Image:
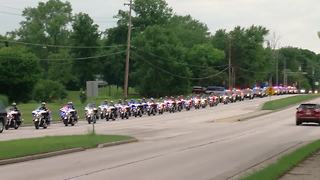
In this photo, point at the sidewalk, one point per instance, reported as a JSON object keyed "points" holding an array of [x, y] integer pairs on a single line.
{"points": [[307, 170]]}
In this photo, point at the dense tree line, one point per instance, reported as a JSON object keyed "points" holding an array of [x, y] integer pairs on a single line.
{"points": [[170, 53]]}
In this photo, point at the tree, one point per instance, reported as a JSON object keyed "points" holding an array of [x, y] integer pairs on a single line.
{"points": [[189, 31], [85, 33], [248, 55], [48, 91], [61, 70], [46, 24], [204, 60], [147, 13], [150, 12], [19, 71], [159, 68]]}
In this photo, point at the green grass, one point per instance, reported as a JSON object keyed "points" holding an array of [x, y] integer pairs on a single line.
{"points": [[32, 146], [284, 164], [285, 102]]}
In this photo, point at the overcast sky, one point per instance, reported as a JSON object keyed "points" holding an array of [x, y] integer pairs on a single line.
{"points": [[295, 21]]}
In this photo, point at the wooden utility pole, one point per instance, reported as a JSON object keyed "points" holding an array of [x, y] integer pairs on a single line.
{"points": [[126, 74], [230, 66]]}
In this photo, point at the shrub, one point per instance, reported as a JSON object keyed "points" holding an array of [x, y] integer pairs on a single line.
{"points": [[4, 101], [48, 90]]}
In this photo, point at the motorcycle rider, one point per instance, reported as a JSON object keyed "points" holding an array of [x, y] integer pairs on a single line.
{"points": [[47, 114], [15, 108], [71, 106], [105, 102]]}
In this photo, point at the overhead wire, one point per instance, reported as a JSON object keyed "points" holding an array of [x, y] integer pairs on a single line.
{"points": [[187, 64], [256, 72], [60, 46], [80, 59], [179, 76]]}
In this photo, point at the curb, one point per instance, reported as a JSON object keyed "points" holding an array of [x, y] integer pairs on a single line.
{"points": [[244, 117], [117, 143], [62, 152], [39, 156]]}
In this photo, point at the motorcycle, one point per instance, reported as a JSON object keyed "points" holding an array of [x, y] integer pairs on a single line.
{"points": [[111, 113], [152, 109], [161, 108], [39, 118], [139, 110], [68, 116], [213, 101], [124, 112], [91, 114], [188, 104], [103, 111], [197, 103], [180, 105], [12, 120], [172, 107], [203, 102]]}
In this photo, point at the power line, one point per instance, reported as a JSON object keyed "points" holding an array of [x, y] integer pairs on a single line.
{"points": [[79, 59], [60, 46], [256, 72], [179, 76], [191, 65]]}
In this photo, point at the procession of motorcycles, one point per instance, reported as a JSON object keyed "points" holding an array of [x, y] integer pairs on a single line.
{"points": [[109, 111]]}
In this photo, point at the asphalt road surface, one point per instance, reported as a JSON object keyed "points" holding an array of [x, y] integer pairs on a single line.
{"points": [[188, 145]]}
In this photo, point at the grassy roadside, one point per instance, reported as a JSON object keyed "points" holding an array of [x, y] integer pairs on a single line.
{"points": [[285, 102], [25, 147], [285, 163]]}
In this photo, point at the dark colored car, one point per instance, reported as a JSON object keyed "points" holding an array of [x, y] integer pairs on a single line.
{"points": [[198, 90], [309, 113], [3, 117]]}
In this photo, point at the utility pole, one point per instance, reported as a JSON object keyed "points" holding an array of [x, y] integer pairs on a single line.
{"points": [[230, 66], [126, 74], [277, 70], [285, 73]]}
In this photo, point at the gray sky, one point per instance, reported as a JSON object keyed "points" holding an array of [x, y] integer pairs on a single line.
{"points": [[295, 21]]}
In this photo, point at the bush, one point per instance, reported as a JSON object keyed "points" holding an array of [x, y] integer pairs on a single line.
{"points": [[4, 101], [19, 71], [48, 90]]}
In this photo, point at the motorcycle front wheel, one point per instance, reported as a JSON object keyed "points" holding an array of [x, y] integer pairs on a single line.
{"points": [[16, 125], [36, 125]]}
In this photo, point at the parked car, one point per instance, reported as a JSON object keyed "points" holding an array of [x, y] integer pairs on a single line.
{"points": [[3, 117], [198, 90], [309, 113]]}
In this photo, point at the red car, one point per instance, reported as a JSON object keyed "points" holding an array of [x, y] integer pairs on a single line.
{"points": [[309, 113]]}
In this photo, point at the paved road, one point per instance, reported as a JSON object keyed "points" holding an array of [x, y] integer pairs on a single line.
{"points": [[177, 146], [139, 127]]}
